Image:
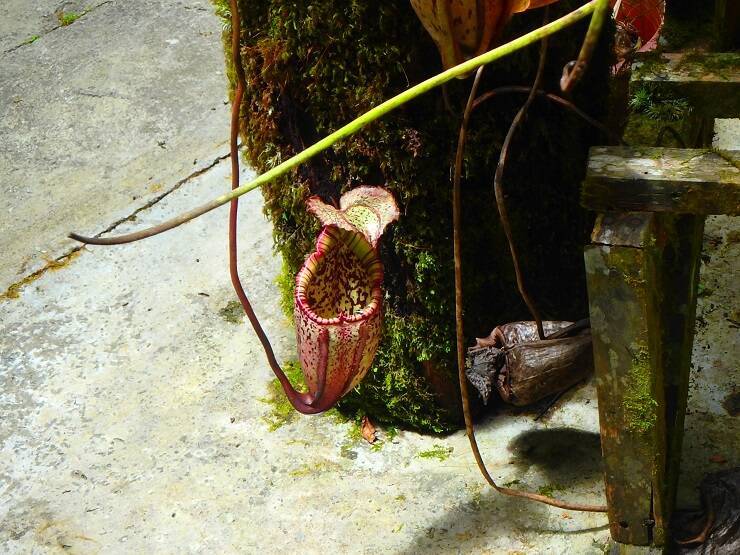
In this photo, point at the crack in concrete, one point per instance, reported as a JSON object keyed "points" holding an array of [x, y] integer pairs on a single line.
{"points": [[41, 35], [13, 291], [94, 94]]}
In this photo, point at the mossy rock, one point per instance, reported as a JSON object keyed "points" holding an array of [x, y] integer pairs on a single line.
{"points": [[315, 65]]}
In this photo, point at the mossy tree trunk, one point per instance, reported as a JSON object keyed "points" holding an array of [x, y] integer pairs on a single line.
{"points": [[315, 65]]}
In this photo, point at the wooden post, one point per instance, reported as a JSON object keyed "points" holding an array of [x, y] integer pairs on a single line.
{"points": [[642, 271], [624, 299]]}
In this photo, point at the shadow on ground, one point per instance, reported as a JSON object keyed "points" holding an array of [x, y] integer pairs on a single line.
{"points": [[565, 456]]}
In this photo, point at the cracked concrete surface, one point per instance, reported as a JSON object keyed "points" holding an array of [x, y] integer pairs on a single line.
{"points": [[136, 418], [101, 116]]}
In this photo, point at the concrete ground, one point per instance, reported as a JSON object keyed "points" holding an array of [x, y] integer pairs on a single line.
{"points": [[137, 413]]}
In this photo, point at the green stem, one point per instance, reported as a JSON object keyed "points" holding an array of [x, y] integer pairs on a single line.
{"points": [[356, 125], [573, 74]]}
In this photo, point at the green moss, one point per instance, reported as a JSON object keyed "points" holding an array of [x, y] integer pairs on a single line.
{"points": [[285, 282], [719, 64], [313, 66], [549, 489], [439, 452], [232, 312], [696, 30], [282, 412], [315, 468], [652, 111], [639, 402], [30, 40], [649, 63], [68, 18], [659, 106]]}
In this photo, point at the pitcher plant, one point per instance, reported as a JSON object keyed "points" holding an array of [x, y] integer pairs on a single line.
{"points": [[338, 297], [463, 29]]}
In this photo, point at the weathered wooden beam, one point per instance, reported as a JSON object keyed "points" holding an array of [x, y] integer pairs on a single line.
{"points": [[642, 271], [683, 181], [709, 81], [623, 302]]}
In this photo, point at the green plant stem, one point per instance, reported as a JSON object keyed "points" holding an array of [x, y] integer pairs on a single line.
{"points": [[356, 125], [574, 71]]}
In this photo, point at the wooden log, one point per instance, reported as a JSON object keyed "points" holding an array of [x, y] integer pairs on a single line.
{"points": [[624, 311], [662, 180], [710, 81]]}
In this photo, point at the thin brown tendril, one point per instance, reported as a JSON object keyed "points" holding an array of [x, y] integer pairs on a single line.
{"points": [[499, 191], [459, 325], [556, 100], [301, 402]]}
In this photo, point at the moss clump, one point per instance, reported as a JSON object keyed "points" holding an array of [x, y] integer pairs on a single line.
{"points": [[549, 489], [439, 452], [315, 65], [652, 112], [282, 412], [30, 40], [639, 402], [233, 312], [68, 18], [722, 64]]}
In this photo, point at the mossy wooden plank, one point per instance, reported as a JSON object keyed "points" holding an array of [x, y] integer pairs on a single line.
{"points": [[710, 81], [624, 318], [690, 181], [642, 274]]}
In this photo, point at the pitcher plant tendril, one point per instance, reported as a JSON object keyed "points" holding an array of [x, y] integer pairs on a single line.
{"points": [[355, 125], [301, 401], [459, 316]]}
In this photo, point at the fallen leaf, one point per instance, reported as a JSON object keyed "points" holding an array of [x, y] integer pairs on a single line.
{"points": [[368, 430], [719, 459]]}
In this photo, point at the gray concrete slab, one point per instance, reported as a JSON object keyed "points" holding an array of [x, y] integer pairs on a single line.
{"points": [[713, 437], [100, 117], [23, 22]]}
